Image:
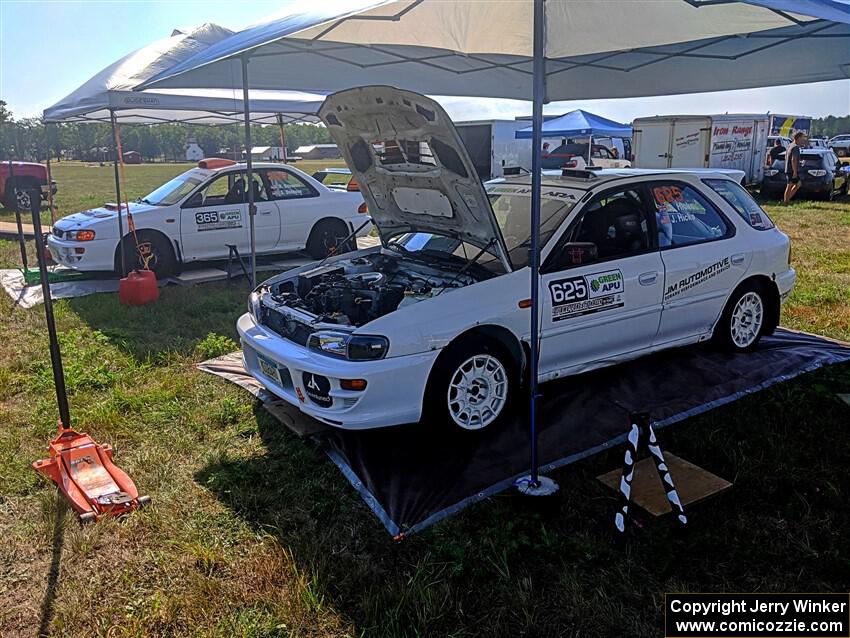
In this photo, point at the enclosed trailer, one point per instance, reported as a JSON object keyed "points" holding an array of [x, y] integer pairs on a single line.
{"points": [[493, 146], [703, 141]]}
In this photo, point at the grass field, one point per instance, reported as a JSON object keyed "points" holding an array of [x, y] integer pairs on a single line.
{"points": [[254, 533]]}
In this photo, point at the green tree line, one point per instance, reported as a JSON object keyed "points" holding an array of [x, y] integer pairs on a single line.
{"points": [[30, 139]]}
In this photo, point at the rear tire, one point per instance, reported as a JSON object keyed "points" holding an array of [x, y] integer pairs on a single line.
{"points": [[326, 236], [744, 318], [162, 261], [472, 387]]}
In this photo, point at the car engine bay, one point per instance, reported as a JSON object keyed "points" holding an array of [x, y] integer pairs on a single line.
{"points": [[355, 291]]}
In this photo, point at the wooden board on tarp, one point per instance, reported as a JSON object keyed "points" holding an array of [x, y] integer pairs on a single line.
{"points": [[693, 483]]}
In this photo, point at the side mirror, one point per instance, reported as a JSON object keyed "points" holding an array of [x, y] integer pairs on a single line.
{"points": [[575, 253], [195, 201]]}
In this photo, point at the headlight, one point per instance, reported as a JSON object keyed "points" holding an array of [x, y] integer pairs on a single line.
{"points": [[349, 346], [255, 306], [771, 172], [817, 172], [81, 235]]}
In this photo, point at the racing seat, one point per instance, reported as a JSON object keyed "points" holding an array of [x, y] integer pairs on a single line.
{"points": [[617, 230], [236, 194]]}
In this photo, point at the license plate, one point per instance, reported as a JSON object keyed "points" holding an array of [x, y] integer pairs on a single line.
{"points": [[270, 369]]}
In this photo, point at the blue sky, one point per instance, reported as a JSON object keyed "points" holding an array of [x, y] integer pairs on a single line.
{"points": [[49, 47]]}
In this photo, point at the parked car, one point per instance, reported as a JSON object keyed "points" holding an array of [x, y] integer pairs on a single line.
{"points": [[841, 145], [23, 176], [817, 142], [821, 173], [435, 321], [337, 179], [574, 155], [786, 141], [197, 214]]}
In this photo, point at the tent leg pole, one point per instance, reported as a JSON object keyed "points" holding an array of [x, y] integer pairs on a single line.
{"points": [[282, 137], [121, 257], [249, 181], [55, 353], [535, 484]]}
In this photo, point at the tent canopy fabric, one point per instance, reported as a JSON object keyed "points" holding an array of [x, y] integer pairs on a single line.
{"points": [[111, 89], [601, 49], [579, 123]]}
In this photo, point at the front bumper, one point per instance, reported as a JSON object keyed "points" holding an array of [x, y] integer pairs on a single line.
{"points": [[393, 395], [96, 255]]}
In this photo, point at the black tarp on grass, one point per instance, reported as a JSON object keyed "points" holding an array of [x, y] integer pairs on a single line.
{"points": [[415, 475]]}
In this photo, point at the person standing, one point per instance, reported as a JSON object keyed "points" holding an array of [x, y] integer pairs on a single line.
{"points": [[792, 167], [775, 151]]}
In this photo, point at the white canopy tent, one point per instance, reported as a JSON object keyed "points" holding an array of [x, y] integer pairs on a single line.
{"points": [[108, 97], [544, 50]]}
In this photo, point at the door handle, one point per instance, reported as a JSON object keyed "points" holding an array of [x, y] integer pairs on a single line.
{"points": [[265, 212], [648, 278], [738, 259]]}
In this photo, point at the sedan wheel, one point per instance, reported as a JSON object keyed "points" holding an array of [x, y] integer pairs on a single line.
{"points": [[747, 320], [478, 392]]}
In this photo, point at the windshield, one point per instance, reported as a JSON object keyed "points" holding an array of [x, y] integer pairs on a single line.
{"points": [[512, 208], [176, 189]]}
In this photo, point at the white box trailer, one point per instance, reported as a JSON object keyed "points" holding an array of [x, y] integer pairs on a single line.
{"points": [[703, 141], [493, 147]]}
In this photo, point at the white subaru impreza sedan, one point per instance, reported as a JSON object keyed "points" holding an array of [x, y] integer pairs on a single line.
{"points": [[434, 322], [196, 215]]}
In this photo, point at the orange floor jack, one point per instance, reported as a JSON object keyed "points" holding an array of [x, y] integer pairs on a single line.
{"points": [[82, 468]]}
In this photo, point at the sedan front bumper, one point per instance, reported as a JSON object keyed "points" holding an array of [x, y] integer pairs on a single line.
{"points": [[393, 395], [94, 255]]}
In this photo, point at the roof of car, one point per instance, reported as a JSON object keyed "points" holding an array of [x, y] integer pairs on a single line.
{"points": [[594, 178]]}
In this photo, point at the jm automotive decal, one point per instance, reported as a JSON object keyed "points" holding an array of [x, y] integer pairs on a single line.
{"points": [[215, 220], [584, 295], [697, 278]]}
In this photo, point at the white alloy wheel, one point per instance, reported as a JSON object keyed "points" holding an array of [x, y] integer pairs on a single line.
{"points": [[478, 392], [746, 321]]}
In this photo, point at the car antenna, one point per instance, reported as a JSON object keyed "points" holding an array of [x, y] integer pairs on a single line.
{"points": [[467, 265]]}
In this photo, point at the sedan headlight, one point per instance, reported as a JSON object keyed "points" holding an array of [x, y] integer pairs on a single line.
{"points": [[771, 172], [255, 306], [80, 235], [819, 172], [349, 346]]}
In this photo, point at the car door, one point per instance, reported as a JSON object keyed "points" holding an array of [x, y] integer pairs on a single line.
{"points": [[299, 204], [213, 217], [603, 307], [267, 220], [703, 259]]}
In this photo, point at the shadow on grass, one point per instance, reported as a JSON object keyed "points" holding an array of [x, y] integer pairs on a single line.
{"points": [[499, 570], [175, 323], [47, 603]]}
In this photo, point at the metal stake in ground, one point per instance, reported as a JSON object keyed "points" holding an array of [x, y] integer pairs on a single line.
{"points": [[80, 467]]}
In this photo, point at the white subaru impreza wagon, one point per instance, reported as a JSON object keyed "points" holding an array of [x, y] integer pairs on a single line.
{"points": [[435, 321]]}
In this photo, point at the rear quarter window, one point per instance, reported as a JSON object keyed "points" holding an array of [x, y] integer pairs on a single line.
{"points": [[742, 202]]}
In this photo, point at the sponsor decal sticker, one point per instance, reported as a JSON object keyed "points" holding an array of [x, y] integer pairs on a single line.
{"points": [[217, 220], [526, 190], [587, 294], [697, 278], [318, 389]]}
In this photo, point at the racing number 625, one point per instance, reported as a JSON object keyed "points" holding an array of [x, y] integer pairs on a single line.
{"points": [[568, 290]]}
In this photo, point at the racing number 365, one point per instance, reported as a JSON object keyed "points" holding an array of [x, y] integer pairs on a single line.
{"points": [[206, 218], [567, 290]]}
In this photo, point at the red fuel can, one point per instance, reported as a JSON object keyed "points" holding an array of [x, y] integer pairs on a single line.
{"points": [[138, 288]]}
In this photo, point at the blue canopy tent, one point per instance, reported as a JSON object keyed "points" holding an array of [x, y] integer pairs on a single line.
{"points": [[541, 50], [578, 123]]}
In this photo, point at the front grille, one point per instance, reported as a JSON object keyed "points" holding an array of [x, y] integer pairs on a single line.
{"points": [[287, 328]]}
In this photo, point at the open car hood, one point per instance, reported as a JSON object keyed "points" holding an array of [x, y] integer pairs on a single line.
{"points": [[411, 165]]}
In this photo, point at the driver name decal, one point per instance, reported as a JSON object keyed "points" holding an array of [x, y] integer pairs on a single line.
{"points": [[697, 278], [214, 220], [586, 294]]}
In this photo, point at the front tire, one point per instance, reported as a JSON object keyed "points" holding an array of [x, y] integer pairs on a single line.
{"points": [[472, 387], [153, 247], [326, 237], [743, 321]]}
